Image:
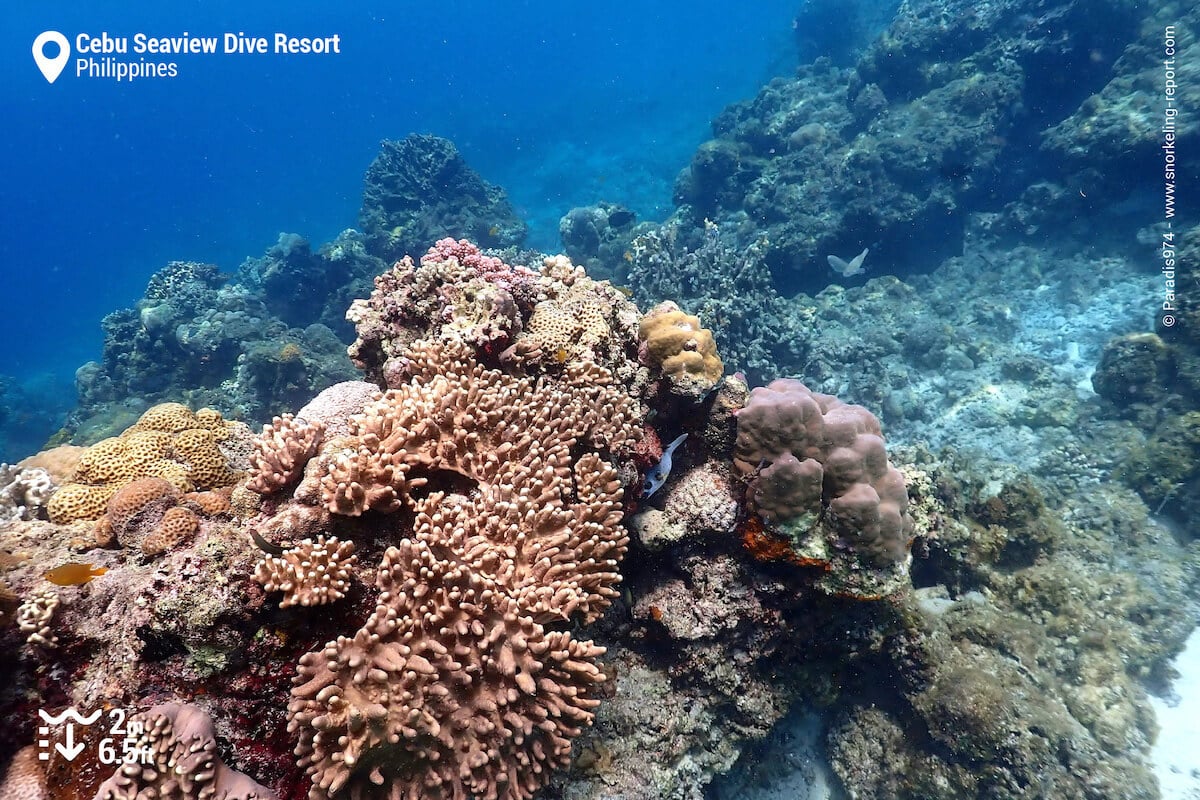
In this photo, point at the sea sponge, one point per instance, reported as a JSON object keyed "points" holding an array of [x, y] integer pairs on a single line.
{"points": [[674, 344]]}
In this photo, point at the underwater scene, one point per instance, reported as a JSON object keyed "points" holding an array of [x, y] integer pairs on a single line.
{"points": [[792, 400]]}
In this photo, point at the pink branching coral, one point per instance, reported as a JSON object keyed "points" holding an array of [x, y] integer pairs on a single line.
{"points": [[281, 452], [455, 292], [454, 686], [311, 573]]}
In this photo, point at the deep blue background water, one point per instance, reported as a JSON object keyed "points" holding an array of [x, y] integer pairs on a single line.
{"points": [[561, 103]]}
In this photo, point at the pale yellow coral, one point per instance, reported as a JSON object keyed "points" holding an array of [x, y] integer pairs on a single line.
{"points": [[677, 346], [168, 442]]}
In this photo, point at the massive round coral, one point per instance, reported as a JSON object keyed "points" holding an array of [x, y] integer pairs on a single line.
{"points": [[810, 456]]}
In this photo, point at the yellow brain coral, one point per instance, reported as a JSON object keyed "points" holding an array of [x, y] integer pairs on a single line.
{"points": [[675, 344], [169, 441]]}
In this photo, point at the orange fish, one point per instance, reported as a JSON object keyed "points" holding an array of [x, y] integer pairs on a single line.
{"points": [[73, 574]]}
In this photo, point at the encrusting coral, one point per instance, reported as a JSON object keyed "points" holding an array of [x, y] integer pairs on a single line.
{"points": [[24, 779], [678, 348]]}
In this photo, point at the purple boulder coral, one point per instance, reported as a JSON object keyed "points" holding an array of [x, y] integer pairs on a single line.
{"points": [[812, 457]]}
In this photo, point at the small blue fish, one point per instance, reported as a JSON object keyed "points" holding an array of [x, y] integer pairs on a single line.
{"points": [[658, 476]]}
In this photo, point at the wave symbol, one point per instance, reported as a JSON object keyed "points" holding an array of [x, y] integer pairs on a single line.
{"points": [[72, 714]]}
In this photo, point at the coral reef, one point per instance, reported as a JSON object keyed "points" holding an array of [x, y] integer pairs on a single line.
{"points": [[599, 238], [168, 443], [420, 189], [545, 318]]}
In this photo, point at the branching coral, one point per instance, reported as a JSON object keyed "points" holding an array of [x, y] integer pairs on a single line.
{"points": [[449, 689], [24, 491], [34, 618], [281, 452], [455, 685], [310, 574]]}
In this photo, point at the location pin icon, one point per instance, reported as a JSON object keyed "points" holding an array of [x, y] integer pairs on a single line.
{"points": [[51, 67]]}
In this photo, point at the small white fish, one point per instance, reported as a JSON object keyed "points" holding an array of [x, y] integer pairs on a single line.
{"points": [[850, 268], [658, 476]]}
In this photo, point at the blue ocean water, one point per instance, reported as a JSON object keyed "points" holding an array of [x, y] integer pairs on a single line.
{"points": [[561, 106]]}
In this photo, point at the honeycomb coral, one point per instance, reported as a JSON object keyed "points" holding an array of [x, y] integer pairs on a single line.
{"points": [[570, 326], [184, 763], [75, 501], [198, 449], [168, 442], [178, 525], [312, 573], [683, 352]]}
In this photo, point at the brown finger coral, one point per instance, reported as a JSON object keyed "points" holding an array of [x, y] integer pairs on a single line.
{"points": [[281, 452], [312, 573], [455, 686], [182, 764]]}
